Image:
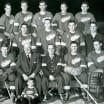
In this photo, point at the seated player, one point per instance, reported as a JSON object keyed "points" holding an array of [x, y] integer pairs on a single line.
{"points": [[7, 66], [96, 67], [75, 65], [51, 68], [30, 91]]}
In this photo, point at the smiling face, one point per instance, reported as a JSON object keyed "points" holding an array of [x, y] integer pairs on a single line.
{"points": [[73, 47], [24, 29], [71, 26], [42, 6], [51, 49], [93, 27], [47, 23], [97, 45], [4, 50]]}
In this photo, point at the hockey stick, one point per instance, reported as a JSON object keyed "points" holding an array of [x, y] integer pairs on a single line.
{"points": [[9, 93], [89, 94]]}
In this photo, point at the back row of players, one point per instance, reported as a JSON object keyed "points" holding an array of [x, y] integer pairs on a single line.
{"points": [[64, 32]]}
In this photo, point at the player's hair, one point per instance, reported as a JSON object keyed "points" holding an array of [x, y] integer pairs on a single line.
{"points": [[4, 44], [8, 3], [24, 1], [64, 3], [93, 22], [74, 42], [24, 24], [42, 1], [85, 2], [51, 45], [47, 19], [72, 21], [97, 40]]}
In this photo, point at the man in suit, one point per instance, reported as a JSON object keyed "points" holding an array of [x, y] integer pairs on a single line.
{"points": [[51, 67], [28, 66]]}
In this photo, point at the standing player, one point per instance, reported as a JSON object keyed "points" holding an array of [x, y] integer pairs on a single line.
{"points": [[38, 19], [48, 36], [7, 21], [84, 18], [63, 17], [23, 16]]}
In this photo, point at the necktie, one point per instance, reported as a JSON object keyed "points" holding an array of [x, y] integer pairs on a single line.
{"points": [[28, 58]]}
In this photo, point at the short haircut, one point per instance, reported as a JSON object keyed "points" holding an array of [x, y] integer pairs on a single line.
{"points": [[51, 45], [42, 1], [24, 1], [72, 21], [47, 19], [63, 3], [97, 40], [85, 2], [74, 42], [8, 3], [4, 44], [93, 22], [24, 24]]}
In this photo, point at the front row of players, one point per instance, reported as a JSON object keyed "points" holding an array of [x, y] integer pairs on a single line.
{"points": [[24, 72]]}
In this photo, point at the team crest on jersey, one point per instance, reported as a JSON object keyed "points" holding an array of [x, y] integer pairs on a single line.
{"points": [[27, 18], [5, 63], [50, 37], [11, 21], [75, 37], [100, 59], [76, 60]]}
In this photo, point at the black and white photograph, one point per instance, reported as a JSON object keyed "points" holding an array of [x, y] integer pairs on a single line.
{"points": [[51, 51]]}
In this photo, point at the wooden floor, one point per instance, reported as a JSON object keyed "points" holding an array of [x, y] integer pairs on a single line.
{"points": [[56, 100]]}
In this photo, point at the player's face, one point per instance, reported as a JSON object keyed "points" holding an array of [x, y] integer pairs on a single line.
{"points": [[93, 28], [4, 50], [72, 26], [27, 49], [97, 45], [51, 49], [42, 6], [84, 7], [47, 24], [73, 48], [63, 7], [8, 9], [24, 29], [24, 6]]}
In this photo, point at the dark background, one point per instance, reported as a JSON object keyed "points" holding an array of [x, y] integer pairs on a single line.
{"points": [[96, 6]]}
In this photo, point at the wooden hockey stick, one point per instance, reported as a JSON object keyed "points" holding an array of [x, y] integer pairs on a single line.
{"points": [[9, 93], [89, 94]]}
